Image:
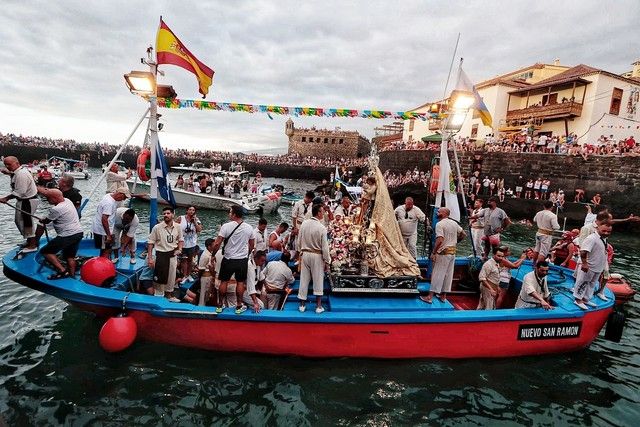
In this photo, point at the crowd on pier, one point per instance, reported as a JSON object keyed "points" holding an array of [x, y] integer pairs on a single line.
{"points": [[524, 142], [108, 150]]}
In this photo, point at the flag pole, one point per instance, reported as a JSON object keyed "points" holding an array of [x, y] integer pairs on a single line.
{"points": [[104, 174], [153, 147]]}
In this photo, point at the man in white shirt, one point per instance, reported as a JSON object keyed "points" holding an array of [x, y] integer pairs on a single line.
{"points": [[315, 258], [124, 232], [477, 226], [238, 240], [535, 292], [489, 281], [116, 179], [593, 254], [301, 211], [408, 216], [191, 227], [547, 223], [167, 239], [64, 218], [260, 235], [278, 277], [105, 219], [206, 271], [255, 276], [344, 209], [23, 189], [448, 233]]}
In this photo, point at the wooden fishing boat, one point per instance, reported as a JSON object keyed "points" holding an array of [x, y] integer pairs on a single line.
{"points": [[373, 319]]}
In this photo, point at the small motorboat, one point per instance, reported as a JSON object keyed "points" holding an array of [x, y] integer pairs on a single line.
{"points": [[258, 203], [620, 287]]}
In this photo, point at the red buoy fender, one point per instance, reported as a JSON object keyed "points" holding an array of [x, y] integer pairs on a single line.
{"points": [[143, 162], [98, 271], [118, 333]]}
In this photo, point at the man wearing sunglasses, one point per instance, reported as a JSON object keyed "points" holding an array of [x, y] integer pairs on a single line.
{"points": [[408, 216]]}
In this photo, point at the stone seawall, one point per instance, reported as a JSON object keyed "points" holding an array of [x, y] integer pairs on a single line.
{"points": [[96, 159], [598, 174]]}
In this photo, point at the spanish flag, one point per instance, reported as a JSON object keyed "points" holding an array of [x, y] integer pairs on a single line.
{"points": [[170, 50]]}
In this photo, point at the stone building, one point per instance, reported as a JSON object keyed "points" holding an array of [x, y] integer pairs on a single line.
{"points": [[325, 142]]}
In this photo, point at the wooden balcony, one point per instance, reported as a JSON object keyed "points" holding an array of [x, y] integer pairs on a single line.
{"points": [[547, 112]]}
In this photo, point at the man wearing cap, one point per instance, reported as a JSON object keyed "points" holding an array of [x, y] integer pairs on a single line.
{"points": [[64, 218], [408, 216], [115, 179], [105, 219], [547, 223], [23, 189]]}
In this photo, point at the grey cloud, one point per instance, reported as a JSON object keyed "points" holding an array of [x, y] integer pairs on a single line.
{"points": [[329, 54]]}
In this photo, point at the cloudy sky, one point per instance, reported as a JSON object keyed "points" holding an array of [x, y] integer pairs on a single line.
{"points": [[62, 62]]}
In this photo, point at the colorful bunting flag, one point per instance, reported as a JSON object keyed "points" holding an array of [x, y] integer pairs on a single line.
{"points": [[175, 103]]}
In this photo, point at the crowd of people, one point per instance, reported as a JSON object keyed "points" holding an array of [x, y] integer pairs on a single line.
{"points": [[243, 266], [526, 142], [539, 188], [414, 176], [108, 150]]}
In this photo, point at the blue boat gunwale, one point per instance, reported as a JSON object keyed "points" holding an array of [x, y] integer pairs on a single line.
{"points": [[76, 291]]}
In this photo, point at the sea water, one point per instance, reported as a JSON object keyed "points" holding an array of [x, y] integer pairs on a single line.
{"points": [[53, 371]]}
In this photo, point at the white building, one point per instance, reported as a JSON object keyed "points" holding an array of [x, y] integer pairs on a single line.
{"points": [[555, 99]]}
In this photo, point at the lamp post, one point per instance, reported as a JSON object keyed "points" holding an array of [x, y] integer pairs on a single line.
{"points": [[460, 102], [144, 84]]}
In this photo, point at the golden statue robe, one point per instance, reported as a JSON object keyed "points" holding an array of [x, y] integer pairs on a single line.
{"points": [[393, 258]]}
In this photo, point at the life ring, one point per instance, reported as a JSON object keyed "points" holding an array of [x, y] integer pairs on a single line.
{"points": [[143, 165]]}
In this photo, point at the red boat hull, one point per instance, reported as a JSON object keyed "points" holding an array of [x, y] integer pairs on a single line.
{"points": [[393, 341]]}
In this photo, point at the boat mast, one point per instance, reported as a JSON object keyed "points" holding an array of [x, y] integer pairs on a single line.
{"points": [[153, 142]]}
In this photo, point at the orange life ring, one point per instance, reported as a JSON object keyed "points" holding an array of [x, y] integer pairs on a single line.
{"points": [[143, 164], [435, 177]]}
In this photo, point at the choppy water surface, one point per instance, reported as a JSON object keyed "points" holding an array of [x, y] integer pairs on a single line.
{"points": [[52, 371]]}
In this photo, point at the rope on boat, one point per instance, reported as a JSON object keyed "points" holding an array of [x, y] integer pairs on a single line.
{"points": [[124, 302]]}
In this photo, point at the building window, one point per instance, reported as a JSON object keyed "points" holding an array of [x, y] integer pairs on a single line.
{"points": [[341, 141], [411, 124], [326, 140], [317, 139], [333, 140], [474, 131], [616, 100], [551, 99], [304, 139]]}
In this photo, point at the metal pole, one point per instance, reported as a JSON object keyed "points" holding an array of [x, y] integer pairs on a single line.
{"points": [[153, 142], [464, 198], [95, 188]]}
